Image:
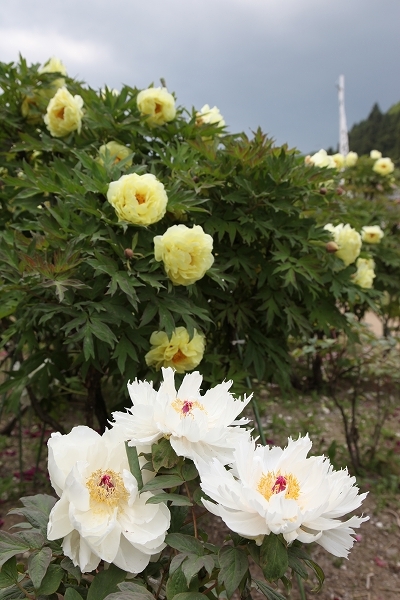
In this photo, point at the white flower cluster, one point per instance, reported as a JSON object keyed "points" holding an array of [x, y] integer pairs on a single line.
{"points": [[256, 490]]}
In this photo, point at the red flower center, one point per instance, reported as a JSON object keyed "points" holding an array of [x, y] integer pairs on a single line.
{"points": [[106, 481], [187, 407], [279, 485]]}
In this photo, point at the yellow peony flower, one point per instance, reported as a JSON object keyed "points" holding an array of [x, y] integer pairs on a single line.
{"points": [[338, 160], [53, 65], [64, 113], [348, 240], [372, 234], [365, 274], [375, 154], [116, 151], [179, 352], [351, 159], [383, 166], [209, 115], [186, 253], [138, 199], [321, 159], [158, 104]]}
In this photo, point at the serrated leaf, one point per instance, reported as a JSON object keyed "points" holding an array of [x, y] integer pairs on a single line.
{"points": [[37, 565], [233, 566], [273, 557], [185, 543]]}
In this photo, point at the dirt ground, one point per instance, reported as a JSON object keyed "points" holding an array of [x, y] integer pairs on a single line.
{"points": [[373, 569]]}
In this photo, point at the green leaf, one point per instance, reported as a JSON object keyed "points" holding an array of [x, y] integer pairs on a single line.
{"points": [[163, 481], [17, 543], [176, 584], [295, 561], [176, 499], [37, 565], [134, 465], [189, 471], [36, 510], [73, 570], [9, 573], [184, 543], [192, 565], [139, 591], [268, 591], [51, 580], [273, 557], [105, 583], [190, 596], [72, 594], [234, 565], [163, 455]]}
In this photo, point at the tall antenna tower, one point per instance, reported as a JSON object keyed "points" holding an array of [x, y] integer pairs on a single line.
{"points": [[343, 135]]}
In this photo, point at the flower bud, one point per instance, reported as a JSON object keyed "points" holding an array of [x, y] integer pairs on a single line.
{"points": [[332, 247], [323, 191], [128, 253], [339, 191]]}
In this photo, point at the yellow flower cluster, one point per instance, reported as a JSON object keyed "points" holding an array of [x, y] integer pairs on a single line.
{"points": [[180, 352]]}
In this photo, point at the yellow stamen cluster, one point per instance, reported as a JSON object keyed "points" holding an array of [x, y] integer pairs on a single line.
{"points": [[272, 483], [106, 487]]}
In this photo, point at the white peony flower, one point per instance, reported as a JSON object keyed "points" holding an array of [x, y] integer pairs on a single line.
{"points": [[198, 427], [100, 514], [271, 490]]}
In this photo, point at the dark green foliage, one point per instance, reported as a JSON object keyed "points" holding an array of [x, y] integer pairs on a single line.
{"points": [[380, 131]]}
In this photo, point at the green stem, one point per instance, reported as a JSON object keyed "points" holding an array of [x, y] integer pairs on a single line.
{"points": [[301, 587], [253, 400]]}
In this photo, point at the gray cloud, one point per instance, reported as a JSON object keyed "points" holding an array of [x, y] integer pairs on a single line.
{"points": [[262, 62]]}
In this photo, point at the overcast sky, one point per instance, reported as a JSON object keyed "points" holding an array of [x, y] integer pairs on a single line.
{"points": [[268, 63]]}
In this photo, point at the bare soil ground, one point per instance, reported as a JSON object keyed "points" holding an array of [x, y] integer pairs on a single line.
{"points": [[373, 569]]}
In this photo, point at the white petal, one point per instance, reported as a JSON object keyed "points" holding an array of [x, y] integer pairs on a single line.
{"points": [[80, 552], [129, 558], [59, 523]]}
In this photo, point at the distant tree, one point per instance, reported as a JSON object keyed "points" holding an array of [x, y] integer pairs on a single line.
{"points": [[380, 131]]}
